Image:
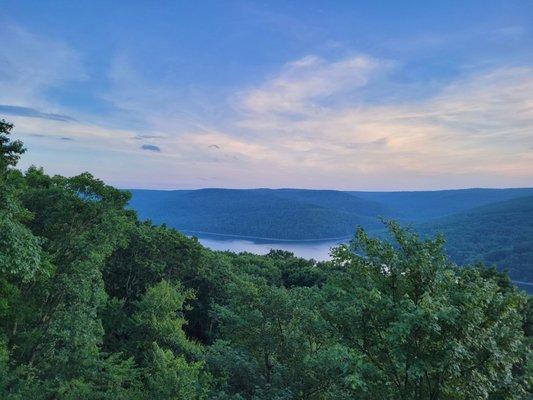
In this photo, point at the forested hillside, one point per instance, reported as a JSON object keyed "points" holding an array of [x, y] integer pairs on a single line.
{"points": [[304, 214], [280, 214], [96, 304], [424, 205], [299, 214], [499, 234]]}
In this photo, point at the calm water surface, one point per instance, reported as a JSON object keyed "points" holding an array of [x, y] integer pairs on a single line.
{"points": [[318, 250]]}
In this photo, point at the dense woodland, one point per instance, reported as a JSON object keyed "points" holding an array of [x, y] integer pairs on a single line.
{"points": [[96, 304], [499, 233], [266, 213]]}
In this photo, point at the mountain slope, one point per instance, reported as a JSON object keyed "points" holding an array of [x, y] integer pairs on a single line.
{"points": [[500, 233], [334, 199], [420, 206], [280, 214]]}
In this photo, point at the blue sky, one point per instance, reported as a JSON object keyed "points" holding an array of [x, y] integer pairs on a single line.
{"points": [[377, 95]]}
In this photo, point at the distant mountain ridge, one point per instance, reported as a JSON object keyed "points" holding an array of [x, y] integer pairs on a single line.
{"points": [[423, 205], [268, 213], [299, 214]]}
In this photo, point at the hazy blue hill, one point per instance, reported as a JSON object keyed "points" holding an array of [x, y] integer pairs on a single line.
{"points": [[280, 214], [336, 200], [420, 206], [499, 233]]}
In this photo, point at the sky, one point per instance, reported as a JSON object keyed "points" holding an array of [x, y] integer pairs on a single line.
{"points": [[360, 95]]}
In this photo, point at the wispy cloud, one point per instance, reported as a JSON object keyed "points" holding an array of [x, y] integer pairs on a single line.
{"points": [[476, 127], [48, 137], [151, 147], [302, 85], [30, 64], [143, 137], [162, 107], [32, 113]]}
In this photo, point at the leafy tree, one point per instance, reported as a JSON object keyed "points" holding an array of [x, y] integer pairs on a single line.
{"points": [[159, 319], [425, 328], [171, 377], [277, 345], [10, 150]]}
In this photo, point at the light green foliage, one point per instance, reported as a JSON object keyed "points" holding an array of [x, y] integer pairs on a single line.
{"points": [[81, 221], [171, 377], [20, 250], [426, 329], [159, 318]]}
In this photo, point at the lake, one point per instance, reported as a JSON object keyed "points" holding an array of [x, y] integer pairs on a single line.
{"points": [[318, 250]]}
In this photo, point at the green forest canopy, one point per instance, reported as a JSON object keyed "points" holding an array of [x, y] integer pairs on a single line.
{"points": [[96, 304]]}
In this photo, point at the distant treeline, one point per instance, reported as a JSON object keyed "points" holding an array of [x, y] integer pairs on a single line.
{"points": [[98, 305]]}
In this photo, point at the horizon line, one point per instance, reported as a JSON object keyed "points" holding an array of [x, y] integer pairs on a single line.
{"points": [[332, 190]]}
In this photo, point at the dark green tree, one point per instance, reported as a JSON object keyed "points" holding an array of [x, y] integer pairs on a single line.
{"points": [[276, 344], [10, 150]]}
